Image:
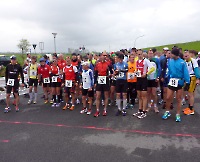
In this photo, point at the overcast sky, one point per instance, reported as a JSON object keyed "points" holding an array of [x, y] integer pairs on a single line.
{"points": [[98, 24]]}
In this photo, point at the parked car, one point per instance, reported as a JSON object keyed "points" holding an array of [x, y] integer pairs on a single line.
{"points": [[4, 60]]}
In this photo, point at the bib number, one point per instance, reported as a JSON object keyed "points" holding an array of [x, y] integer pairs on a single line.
{"points": [[33, 73], [121, 75], [138, 74], [54, 79], [131, 76], [46, 80], [173, 82], [68, 83], [85, 79], [11, 82], [102, 80]]}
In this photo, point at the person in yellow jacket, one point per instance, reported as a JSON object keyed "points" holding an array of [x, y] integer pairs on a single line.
{"points": [[131, 81], [33, 79]]}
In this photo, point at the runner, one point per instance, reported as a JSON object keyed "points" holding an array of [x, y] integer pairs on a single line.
{"points": [[101, 81], [121, 69], [193, 70], [132, 80], [177, 73], [142, 64], [87, 87], [44, 77], [33, 79], [153, 79], [70, 80], [12, 83], [55, 74]]}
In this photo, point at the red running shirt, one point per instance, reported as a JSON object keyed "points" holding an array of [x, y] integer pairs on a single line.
{"points": [[70, 72], [55, 70], [61, 64], [102, 68], [44, 71]]}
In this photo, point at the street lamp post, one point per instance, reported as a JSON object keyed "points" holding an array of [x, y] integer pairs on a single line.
{"points": [[54, 35], [137, 38]]}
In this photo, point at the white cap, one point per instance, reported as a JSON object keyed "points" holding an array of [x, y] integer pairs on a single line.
{"points": [[166, 48], [198, 53], [86, 63]]}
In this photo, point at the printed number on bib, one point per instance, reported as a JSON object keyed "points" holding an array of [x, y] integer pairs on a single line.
{"points": [[173, 82], [131, 76], [138, 73], [121, 75], [46, 80], [54, 79], [102, 80], [11, 82], [85, 79], [68, 83], [33, 73]]}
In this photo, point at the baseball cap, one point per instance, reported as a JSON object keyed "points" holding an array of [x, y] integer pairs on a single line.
{"points": [[165, 49], [199, 53], [41, 59], [13, 57]]}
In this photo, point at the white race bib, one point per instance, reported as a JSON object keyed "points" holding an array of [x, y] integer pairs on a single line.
{"points": [[101, 79], [173, 82], [85, 79], [33, 73], [68, 83], [11, 82], [138, 74], [54, 79], [131, 76], [121, 75], [46, 80]]}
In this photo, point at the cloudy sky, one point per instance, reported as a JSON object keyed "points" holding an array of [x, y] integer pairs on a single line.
{"points": [[98, 24]]}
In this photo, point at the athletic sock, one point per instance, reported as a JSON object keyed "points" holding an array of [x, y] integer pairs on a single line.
{"points": [[31, 96], [119, 104], [124, 103], [35, 96], [54, 98], [191, 107], [105, 109], [58, 98]]}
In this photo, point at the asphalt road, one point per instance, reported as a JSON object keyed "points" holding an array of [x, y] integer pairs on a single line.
{"points": [[42, 133]]}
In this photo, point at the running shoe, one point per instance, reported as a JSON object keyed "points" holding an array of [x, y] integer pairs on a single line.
{"points": [[189, 112], [97, 114], [14, 103], [84, 110], [78, 101], [72, 108], [7, 109], [102, 102], [148, 109], [34, 102], [53, 105], [51, 101], [131, 106], [156, 110], [166, 115], [124, 112], [16, 109], [89, 112], [30, 102], [164, 106], [186, 109], [58, 105], [172, 107], [137, 113], [143, 115], [186, 97], [183, 102], [127, 105], [112, 103], [160, 101], [66, 107], [46, 102], [118, 113], [178, 118], [104, 112]]}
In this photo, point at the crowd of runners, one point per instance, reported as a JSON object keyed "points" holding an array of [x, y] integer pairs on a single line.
{"points": [[119, 79]]}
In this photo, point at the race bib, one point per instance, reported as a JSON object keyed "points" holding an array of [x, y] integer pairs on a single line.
{"points": [[33, 73], [54, 79], [131, 76], [11, 82], [138, 74], [121, 75], [173, 82], [85, 79], [68, 83], [46, 80], [102, 80]]}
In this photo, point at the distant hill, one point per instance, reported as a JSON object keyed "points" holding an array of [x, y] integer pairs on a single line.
{"points": [[188, 45]]}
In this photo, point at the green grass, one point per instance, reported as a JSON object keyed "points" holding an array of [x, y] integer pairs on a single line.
{"points": [[188, 45]]}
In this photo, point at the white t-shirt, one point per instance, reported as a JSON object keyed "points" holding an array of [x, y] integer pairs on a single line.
{"points": [[190, 67]]}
